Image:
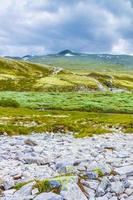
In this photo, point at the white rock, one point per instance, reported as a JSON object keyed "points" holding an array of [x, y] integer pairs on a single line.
{"points": [[48, 196], [73, 192], [113, 198], [128, 170], [129, 191], [101, 190], [30, 142], [102, 198], [24, 191], [117, 187], [130, 197], [36, 160], [8, 183], [35, 191]]}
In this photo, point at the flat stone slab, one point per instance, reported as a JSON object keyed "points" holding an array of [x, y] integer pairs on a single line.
{"points": [[126, 170]]}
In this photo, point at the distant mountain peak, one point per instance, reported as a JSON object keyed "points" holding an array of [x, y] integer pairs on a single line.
{"points": [[27, 57], [67, 52]]}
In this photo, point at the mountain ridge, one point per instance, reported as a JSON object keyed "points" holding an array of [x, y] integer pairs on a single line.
{"points": [[69, 51], [75, 60]]}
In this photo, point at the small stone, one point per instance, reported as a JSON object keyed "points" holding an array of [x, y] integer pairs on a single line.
{"points": [[29, 197], [1, 181], [48, 196], [130, 180], [102, 198], [129, 191], [64, 167], [34, 160], [92, 198], [35, 191], [125, 183], [24, 191], [30, 142], [89, 192], [101, 190], [122, 154], [128, 170], [113, 198], [123, 196], [117, 187], [91, 175], [76, 163], [73, 192], [55, 186], [93, 184], [8, 183], [130, 197], [105, 168], [9, 192]]}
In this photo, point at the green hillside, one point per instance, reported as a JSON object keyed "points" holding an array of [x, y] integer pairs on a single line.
{"points": [[40, 98], [25, 76], [89, 62]]}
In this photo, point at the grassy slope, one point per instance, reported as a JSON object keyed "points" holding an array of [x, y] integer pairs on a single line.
{"points": [[90, 62], [24, 76], [65, 111], [18, 75]]}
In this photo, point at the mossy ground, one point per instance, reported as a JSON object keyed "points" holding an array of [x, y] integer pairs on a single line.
{"points": [[24, 121]]}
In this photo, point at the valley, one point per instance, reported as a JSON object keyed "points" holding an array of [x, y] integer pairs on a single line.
{"points": [[66, 124]]}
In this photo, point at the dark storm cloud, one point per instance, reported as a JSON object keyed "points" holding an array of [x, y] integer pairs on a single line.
{"points": [[44, 26]]}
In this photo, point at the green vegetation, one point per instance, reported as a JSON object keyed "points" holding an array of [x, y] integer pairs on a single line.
{"points": [[46, 186], [21, 184], [25, 76], [40, 98], [24, 121], [91, 62], [54, 184], [99, 172], [51, 184], [21, 76], [43, 186], [82, 82], [8, 102], [106, 102]]}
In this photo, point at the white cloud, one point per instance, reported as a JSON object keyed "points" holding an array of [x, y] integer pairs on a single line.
{"points": [[121, 46], [14, 50], [40, 26]]}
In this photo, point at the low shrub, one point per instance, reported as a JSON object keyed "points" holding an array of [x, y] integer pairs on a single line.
{"points": [[9, 102]]}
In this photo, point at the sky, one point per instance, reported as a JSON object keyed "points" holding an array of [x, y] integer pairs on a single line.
{"points": [[48, 26]]}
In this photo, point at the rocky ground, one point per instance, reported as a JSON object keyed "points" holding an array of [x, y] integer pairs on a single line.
{"points": [[60, 167]]}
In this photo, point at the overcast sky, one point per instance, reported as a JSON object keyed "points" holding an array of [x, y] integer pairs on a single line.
{"points": [[48, 26]]}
